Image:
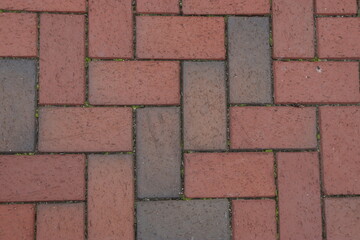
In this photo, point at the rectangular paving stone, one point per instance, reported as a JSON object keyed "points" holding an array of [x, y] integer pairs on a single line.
{"points": [[204, 106], [342, 218], [19, 34], [272, 127], [340, 152], [336, 7], [77, 129], [229, 175], [299, 196], [134, 83], [42, 178], [316, 82], [157, 6], [338, 37], [293, 28], [253, 219], [249, 7], [195, 219], [110, 197], [178, 37], [158, 152], [45, 5], [17, 221], [60, 221], [249, 60], [62, 59], [17, 105], [110, 29]]}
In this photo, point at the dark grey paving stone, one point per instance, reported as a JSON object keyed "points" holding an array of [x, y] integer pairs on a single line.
{"points": [[17, 105], [158, 152], [249, 60], [183, 220]]}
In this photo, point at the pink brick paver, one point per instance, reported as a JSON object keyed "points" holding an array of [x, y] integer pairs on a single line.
{"points": [[336, 7], [157, 6], [45, 5]]}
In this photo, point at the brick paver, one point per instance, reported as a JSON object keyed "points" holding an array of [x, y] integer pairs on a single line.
{"points": [[179, 120], [60, 221]]}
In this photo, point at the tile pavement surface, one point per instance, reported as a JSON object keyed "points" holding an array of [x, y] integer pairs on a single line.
{"points": [[179, 120]]}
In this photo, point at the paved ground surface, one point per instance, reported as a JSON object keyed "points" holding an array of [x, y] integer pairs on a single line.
{"points": [[168, 120]]}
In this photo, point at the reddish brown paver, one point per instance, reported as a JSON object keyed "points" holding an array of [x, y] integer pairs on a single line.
{"points": [[340, 152], [17, 221], [293, 29], [60, 221], [79, 129], [45, 5], [316, 82], [62, 76], [180, 37], [342, 218], [110, 197], [42, 178], [157, 6], [110, 29], [18, 34], [299, 196], [229, 175], [253, 219], [338, 37], [134, 83], [336, 7], [272, 127], [247, 7]]}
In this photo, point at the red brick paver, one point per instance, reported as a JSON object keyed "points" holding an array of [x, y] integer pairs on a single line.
{"points": [[336, 7], [45, 5], [157, 6]]}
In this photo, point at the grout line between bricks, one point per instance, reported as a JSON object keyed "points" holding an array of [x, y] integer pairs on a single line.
{"points": [[38, 12], [201, 15], [180, 7], [134, 27], [227, 83], [315, 31], [35, 220], [37, 87], [42, 202], [86, 197], [134, 172], [207, 198], [277, 214], [182, 165], [230, 219]]}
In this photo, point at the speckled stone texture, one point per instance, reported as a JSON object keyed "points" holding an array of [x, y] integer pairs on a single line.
{"points": [[17, 101], [340, 141], [174, 37], [134, 83], [229, 175], [249, 60], [62, 76], [42, 178], [110, 29], [204, 108], [158, 155], [183, 220], [78, 129]]}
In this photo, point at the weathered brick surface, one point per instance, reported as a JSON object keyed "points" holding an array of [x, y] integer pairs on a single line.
{"points": [[299, 196], [18, 34], [17, 105], [134, 83], [338, 37], [110, 197], [226, 7], [293, 28], [110, 29], [76, 129], [17, 222], [157, 6], [62, 76], [249, 60], [45, 5], [60, 221], [316, 82], [336, 7], [342, 218], [172, 37], [272, 127], [229, 175], [42, 178], [198, 219], [158, 153], [340, 141], [253, 219], [204, 105]]}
